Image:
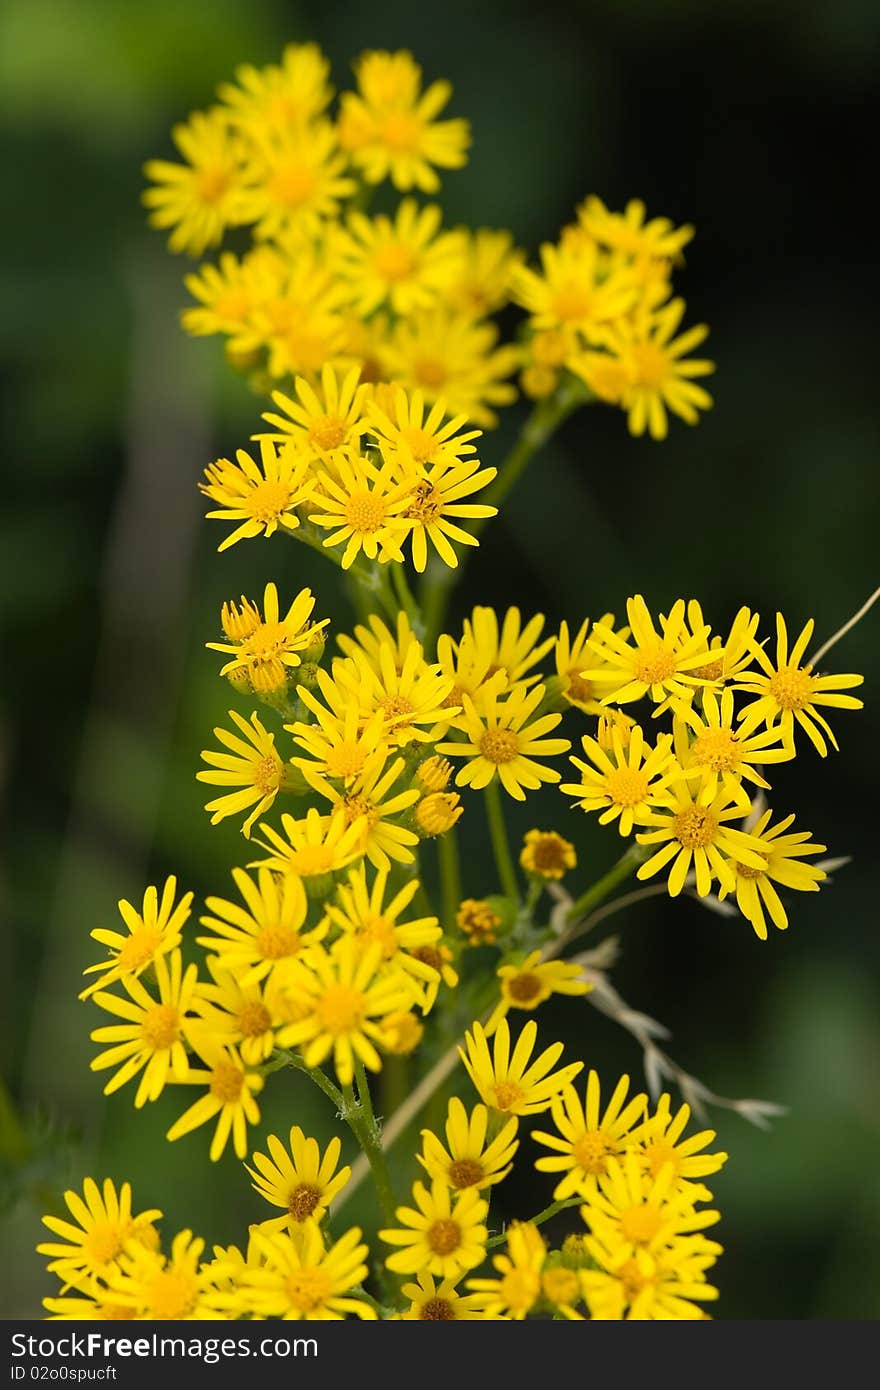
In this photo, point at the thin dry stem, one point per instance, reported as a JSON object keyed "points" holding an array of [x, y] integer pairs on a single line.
{"points": [[847, 627]]}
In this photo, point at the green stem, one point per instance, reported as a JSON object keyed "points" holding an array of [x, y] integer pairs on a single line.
{"points": [[545, 418], [450, 876], [500, 845], [539, 1220], [598, 892], [316, 1075], [368, 581], [367, 1131]]}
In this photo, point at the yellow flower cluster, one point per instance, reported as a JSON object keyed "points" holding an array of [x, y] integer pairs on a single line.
{"points": [[395, 296], [735, 709], [600, 307]]}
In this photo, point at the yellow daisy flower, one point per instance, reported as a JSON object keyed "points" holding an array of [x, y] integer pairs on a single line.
{"points": [[251, 940], [708, 747], [412, 696], [151, 933], [152, 1038], [301, 326], [529, 984], [175, 1287], [313, 848], [629, 233], [401, 427], [660, 1141], [730, 656], [469, 1160], [363, 507], [299, 1179], [242, 1014], [573, 291], [451, 357], [204, 196], [404, 263], [105, 1226], [514, 1294], [436, 497], [272, 100], [588, 1136], [369, 639], [437, 813], [547, 856], [506, 741], [390, 127], [471, 669], [344, 994], [514, 1084], [780, 864], [484, 283], [367, 802], [692, 833], [632, 1212], [479, 921], [230, 292], [434, 1301], [627, 781], [360, 911], [340, 743], [251, 764], [323, 418], [648, 662], [444, 1234], [649, 1287], [274, 641], [508, 644], [293, 181], [302, 1279], [787, 692], [261, 497], [229, 1096]]}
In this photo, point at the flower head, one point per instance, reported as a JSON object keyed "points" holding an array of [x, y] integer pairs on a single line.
{"points": [[444, 1234], [513, 1083], [299, 1179], [469, 1160], [152, 932], [588, 1136]]}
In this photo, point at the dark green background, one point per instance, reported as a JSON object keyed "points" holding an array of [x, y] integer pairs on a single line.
{"points": [[751, 121]]}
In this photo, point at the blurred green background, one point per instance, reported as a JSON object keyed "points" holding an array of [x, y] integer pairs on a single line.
{"points": [[750, 121]]}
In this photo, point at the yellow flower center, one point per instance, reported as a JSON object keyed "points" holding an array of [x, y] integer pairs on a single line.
{"points": [[658, 1155], [499, 745], [396, 705], [626, 786], [172, 1294], [275, 941], [695, 828], [525, 988], [212, 184], [394, 262], [292, 185], [520, 1288], [507, 1095], [655, 665], [303, 1201], [578, 687], [140, 948], [716, 748], [429, 372], [591, 1152], [268, 500], [341, 1010], [227, 1081], [549, 855], [358, 807], [437, 1310], [561, 1286], [160, 1027], [792, 687], [640, 1224], [465, 1172], [421, 445], [444, 1236], [429, 955], [117, 1312], [254, 1019], [345, 760], [327, 433], [234, 305], [266, 641], [379, 931], [401, 131], [652, 365], [573, 301], [311, 860], [711, 672], [365, 512], [426, 504], [308, 1289], [476, 919], [103, 1242], [267, 774], [747, 871], [633, 1279]]}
